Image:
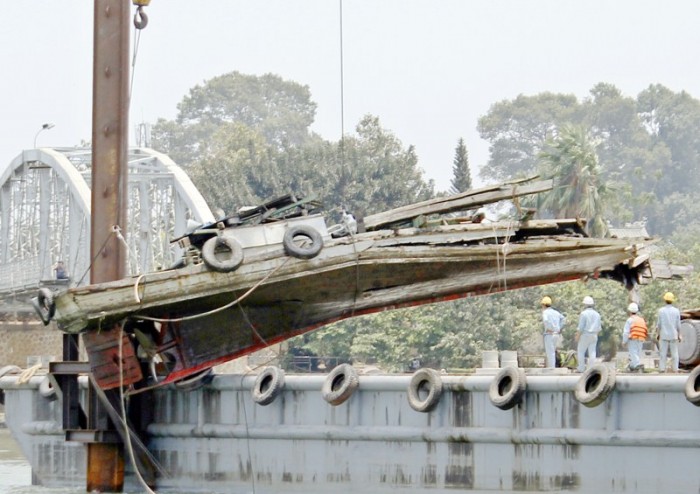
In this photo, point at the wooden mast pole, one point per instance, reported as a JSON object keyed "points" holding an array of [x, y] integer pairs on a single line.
{"points": [[110, 120]]}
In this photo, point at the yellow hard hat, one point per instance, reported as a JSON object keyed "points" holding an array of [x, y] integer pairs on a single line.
{"points": [[546, 301], [669, 297]]}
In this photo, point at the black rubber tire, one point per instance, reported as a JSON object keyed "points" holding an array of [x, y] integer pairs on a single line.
{"points": [[195, 381], [508, 388], [268, 385], [340, 384], [44, 305], [424, 390], [689, 346], [306, 250], [47, 390], [595, 384], [212, 254], [692, 387]]}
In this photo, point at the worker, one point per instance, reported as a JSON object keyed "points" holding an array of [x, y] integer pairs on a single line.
{"points": [[587, 334], [634, 335], [668, 332], [553, 321], [60, 269]]}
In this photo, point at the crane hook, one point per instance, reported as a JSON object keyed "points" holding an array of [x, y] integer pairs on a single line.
{"points": [[140, 18]]}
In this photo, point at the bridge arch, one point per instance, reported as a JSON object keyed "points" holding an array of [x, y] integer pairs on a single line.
{"points": [[45, 213]]}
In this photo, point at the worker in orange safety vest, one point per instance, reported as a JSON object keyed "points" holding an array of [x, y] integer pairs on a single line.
{"points": [[634, 335]]}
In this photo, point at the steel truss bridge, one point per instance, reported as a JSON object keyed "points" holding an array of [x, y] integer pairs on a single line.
{"points": [[45, 202]]}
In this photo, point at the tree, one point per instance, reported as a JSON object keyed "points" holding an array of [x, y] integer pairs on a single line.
{"points": [[516, 131], [365, 173], [281, 111], [571, 161], [461, 176]]}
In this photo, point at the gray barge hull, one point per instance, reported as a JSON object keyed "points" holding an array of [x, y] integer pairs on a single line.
{"points": [[644, 438]]}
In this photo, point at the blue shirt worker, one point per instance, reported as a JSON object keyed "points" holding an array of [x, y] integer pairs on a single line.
{"points": [[553, 321], [633, 335], [668, 327], [587, 334]]}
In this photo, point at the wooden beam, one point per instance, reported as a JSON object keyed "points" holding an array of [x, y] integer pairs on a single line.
{"points": [[458, 202]]}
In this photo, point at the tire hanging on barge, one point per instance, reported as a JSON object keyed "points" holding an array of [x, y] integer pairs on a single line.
{"points": [[340, 384], [268, 385], [595, 384], [692, 387], [508, 388], [424, 390]]}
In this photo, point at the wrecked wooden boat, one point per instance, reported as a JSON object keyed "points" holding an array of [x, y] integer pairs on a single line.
{"points": [[276, 271]]}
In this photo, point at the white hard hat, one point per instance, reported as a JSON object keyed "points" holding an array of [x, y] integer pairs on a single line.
{"points": [[633, 308], [588, 300]]}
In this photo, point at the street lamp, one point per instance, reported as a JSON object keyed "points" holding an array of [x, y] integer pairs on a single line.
{"points": [[45, 126]]}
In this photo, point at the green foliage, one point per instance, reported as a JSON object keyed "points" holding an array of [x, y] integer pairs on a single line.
{"points": [[461, 175], [648, 148], [518, 129], [281, 111], [366, 173], [570, 159]]}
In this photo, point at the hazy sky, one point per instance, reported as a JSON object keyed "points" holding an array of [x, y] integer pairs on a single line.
{"points": [[428, 68]]}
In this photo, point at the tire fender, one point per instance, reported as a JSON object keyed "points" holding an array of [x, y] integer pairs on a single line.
{"points": [[309, 248], [692, 387], [595, 384], [424, 390], [508, 388], [212, 253], [340, 384], [44, 305], [268, 385], [47, 390]]}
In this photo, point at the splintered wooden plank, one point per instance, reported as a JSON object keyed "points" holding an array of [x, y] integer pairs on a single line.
{"points": [[458, 202]]}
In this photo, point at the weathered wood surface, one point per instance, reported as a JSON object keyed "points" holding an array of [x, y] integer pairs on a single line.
{"points": [[360, 274], [471, 199]]}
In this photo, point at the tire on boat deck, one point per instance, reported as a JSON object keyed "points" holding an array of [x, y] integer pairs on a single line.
{"points": [[223, 254], [508, 388], [692, 387], [302, 242], [44, 305], [595, 384], [424, 390], [268, 385], [340, 384]]}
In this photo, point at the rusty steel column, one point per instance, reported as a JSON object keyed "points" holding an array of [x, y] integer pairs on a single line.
{"points": [[110, 121]]}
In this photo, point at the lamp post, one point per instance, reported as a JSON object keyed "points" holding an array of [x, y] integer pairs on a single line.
{"points": [[45, 126]]}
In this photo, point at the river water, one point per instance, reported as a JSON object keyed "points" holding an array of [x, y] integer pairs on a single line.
{"points": [[15, 472]]}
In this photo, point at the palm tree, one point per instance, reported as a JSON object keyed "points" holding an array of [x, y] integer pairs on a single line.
{"points": [[570, 159]]}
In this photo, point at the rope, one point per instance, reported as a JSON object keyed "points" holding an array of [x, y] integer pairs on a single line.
{"points": [[28, 373], [218, 309], [129, 446], [92, 261], [129, 253]]}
